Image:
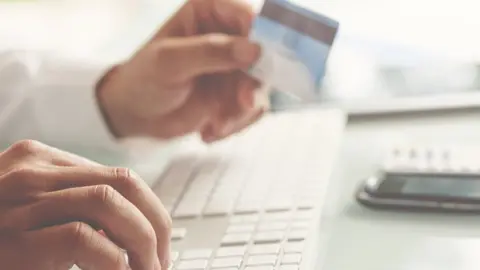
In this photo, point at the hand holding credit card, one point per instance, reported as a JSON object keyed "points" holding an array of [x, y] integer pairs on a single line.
{"points": [[295, 45]]}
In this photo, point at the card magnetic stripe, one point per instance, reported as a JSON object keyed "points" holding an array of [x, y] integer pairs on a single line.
{"points": [[313, 25]]}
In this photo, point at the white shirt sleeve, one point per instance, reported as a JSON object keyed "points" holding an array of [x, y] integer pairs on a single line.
{"points": [[52, 99]]}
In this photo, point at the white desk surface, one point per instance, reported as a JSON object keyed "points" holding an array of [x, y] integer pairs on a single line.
{"points": [[356, 238]]}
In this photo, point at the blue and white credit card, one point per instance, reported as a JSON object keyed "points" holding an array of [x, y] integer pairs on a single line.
{"points": [[295, 45]]}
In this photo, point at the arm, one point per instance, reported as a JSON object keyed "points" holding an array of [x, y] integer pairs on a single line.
{"points": [[51, 99], [179, 83]]}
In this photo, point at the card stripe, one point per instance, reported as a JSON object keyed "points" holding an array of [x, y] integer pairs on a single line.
{"points": [[308, 26]]}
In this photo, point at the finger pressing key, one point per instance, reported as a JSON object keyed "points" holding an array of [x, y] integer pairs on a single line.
{"points": [[104, 207], [69, 244], [131, 187]]}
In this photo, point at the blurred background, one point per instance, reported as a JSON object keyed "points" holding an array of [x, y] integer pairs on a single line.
{"points": [[389, 54]]}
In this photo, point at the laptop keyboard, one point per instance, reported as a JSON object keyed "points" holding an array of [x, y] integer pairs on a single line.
{"points": [[251, 202]]}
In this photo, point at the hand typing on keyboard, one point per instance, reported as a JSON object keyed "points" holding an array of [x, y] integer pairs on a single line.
{"points": [[54, 207]]}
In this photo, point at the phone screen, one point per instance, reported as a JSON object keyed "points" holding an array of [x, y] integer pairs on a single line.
{"points": [[432, 185]]}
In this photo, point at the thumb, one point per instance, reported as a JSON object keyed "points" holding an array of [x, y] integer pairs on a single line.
{"points": [[188, 57]]}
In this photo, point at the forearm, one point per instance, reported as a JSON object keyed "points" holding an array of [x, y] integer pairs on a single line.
{"points": [[51, 100]]}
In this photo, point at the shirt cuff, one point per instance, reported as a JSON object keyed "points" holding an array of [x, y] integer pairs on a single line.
{"points": [[66, 105]]}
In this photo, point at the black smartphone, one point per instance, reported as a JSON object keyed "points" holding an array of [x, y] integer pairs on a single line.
{"points": [[452, 192]]}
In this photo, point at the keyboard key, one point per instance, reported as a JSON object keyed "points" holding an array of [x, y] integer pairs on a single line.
{"points": [[174, 255], [171, 199], [300, 225], [277, 208], [169, 207], [279, 205], [185, 214], [268, 237], [227, 191], [297, 235], [312, 187], [296, 247], [174, 180], [192, 265], [289, 267], [303, 215], [241, 228], [215, 211], [197, 192], [265, 249], [283, 216], [178, 234], [265, 267], [231, 251], [219, 207], [292, 258], [236, 239], [248, 208], [244, 219], [273, 226], [187, 211], [262, 260], [197, 254], [227, 262], [307, 203]]}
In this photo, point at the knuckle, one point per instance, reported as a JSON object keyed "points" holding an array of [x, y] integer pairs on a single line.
{"points": [[127, 179], [21, 183], [79, 234], [104, 195], [26, 147], [149, 236], [146, 235]]}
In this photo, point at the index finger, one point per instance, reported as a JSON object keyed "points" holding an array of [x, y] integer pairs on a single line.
{"points": [[64, 245], [129, 185]]}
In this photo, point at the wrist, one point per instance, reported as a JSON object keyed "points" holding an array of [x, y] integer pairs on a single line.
{"points": [[108, 92]]}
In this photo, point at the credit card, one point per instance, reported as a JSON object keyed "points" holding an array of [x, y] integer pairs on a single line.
{"points": [[295, 44]]}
